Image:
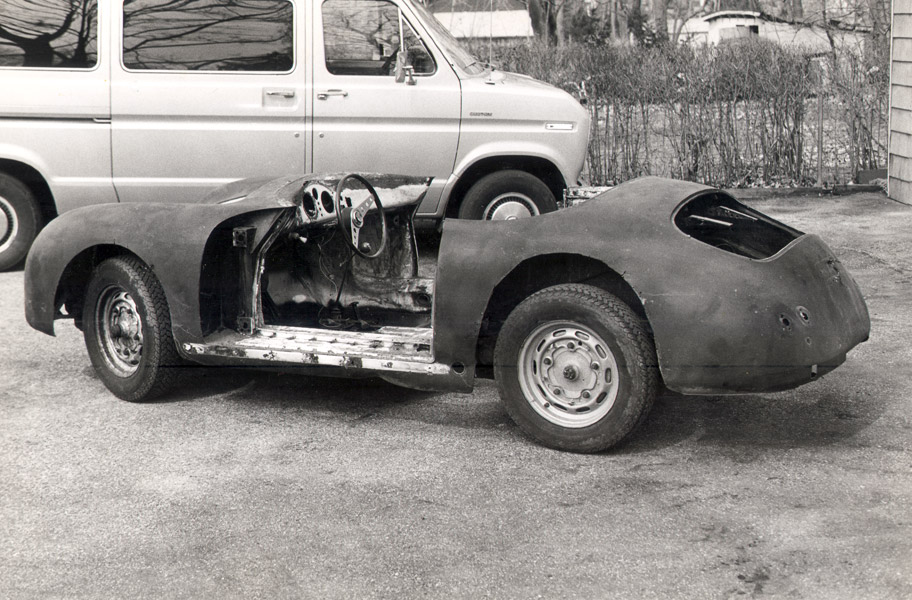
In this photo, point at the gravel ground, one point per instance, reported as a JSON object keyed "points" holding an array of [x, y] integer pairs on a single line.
{"points": [[252, 485]]}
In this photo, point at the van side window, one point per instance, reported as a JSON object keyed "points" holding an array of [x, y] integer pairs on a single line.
{"points": [[59, 34], [361, 37], [201, 35]]}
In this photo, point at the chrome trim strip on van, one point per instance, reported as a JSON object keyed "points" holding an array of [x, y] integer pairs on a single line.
{"points": [[21, 118]]}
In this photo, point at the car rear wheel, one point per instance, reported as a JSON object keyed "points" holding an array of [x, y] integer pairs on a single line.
{"points": [[20, 220], [127, 328], [576, 368], [507, 195]]}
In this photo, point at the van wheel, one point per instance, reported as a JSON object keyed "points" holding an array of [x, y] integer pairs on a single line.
{"points": [[507, 195], [20, 220], [127, 328], [576, 368]]}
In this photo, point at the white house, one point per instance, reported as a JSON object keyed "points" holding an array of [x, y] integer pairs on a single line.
{"points": [[500, 20], [729, 25], [718, 26]]}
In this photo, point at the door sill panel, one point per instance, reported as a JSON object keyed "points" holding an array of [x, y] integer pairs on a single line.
{"points": [[395, 349]]}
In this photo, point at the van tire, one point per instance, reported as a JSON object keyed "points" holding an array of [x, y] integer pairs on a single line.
{"points": [[507, 194], [20, 221]]}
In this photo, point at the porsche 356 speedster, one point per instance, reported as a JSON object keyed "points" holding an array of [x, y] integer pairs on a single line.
{"points": [[580, 315]]}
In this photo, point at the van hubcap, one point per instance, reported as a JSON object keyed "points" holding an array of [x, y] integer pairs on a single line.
{"points": [[9, 226], [508, 207]]}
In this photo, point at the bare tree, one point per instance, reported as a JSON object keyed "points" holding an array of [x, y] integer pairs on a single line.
{"points": [[548, 19], [660, 18], [208, 34], [36, 33]]}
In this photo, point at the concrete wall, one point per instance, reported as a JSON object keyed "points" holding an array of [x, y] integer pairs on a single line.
{"points": [[900, 166]]}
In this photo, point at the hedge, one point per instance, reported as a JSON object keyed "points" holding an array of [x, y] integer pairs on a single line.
{"points": [[733, 115]]}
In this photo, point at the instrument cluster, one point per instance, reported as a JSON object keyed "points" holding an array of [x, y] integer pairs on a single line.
{"points": [[317, 202]]}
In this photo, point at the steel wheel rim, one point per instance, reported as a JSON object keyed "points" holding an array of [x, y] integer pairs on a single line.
{"points": [[510, 206], [9, 225], [118, 328], [568, 374]]}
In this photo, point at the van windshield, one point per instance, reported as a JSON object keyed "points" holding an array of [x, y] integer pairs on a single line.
{"points": [[461, 57]]}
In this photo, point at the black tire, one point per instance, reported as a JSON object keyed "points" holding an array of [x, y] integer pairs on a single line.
{"points": [[576, 368], [20, 221], [506, 194], [127, 329]]}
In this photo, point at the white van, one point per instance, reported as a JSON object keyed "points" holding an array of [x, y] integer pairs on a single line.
{"points": [[142, 100]]}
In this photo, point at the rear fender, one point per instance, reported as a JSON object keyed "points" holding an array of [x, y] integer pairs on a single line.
{"points": [[487, 267]]}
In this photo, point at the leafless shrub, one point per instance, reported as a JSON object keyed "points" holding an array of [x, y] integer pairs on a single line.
{"points": [[737, 115]]}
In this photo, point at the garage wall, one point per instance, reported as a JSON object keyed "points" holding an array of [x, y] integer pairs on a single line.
{"points": [[900, 167]]}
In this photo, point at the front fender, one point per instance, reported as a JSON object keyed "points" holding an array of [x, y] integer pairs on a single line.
{"points": [[169, 238], [507, 149]]}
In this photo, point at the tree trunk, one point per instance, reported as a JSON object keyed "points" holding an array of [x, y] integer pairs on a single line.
{"points": [[660, 18]]}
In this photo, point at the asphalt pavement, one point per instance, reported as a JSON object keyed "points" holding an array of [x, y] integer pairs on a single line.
{"points": [[259, 485]]}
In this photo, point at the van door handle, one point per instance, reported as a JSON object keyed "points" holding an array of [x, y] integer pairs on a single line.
{"points": [[281, 93], [326, 94]]}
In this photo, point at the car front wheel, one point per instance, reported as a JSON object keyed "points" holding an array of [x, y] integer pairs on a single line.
{"points": [[576, 368], [507, 195], [127, 328]]}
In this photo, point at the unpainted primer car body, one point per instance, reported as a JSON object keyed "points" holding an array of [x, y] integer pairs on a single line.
{"points": [[257, 274]]}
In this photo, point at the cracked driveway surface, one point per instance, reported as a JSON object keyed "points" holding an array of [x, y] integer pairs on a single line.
{"points": [[252, 485]]}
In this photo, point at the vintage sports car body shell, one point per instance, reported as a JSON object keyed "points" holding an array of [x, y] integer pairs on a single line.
{"points": [[721, 322]]}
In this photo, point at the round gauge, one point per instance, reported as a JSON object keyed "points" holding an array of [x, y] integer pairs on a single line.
{"points": [[309, 201], [326, 199]]}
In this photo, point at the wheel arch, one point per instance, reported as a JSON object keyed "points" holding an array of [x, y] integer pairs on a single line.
{"points": [[540, 272], [35, 182], [537, 166], [74, 280]]}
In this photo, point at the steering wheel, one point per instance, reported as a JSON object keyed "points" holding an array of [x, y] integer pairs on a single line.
{"points": [[351, 220]]}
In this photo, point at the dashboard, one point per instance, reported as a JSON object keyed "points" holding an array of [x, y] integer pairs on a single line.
{"points": [[315, 197]]}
